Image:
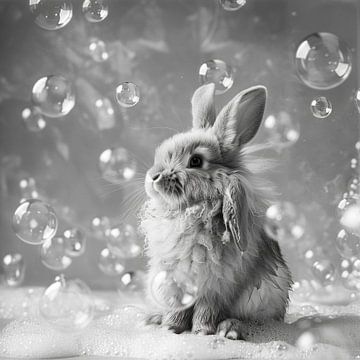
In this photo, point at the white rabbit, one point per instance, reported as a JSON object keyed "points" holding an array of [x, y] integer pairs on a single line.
{"points": [[205, 217]]}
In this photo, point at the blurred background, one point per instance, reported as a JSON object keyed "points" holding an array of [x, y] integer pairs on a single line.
{"points": [[119, 76]]}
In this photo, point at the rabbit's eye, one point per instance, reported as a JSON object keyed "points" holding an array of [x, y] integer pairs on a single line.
{"points": [[195, 161]]}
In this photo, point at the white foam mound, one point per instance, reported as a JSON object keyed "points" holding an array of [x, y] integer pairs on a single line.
{"points": [[315, 332]]}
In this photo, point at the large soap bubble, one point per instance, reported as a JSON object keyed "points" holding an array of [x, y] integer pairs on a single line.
{"points": [[51, 14], [53, 95], [67, 304], [34, 222], [323, 61]]}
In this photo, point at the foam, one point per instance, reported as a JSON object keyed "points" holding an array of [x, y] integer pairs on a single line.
{"points": [[311, 332]]}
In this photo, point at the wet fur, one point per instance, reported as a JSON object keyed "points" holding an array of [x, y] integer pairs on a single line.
{"points": [[209, 223]]}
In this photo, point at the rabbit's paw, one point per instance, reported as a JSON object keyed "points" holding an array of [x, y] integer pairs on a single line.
{"points": [[179, 321], [153, 319], [231, 329], [205, 319]]}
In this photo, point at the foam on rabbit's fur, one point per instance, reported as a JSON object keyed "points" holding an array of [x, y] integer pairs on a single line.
{"points": [[121, 333]]}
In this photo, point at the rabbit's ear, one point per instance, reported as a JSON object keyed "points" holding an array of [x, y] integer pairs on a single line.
{"points": [[203, 106], [235, 214], [239, 120]]}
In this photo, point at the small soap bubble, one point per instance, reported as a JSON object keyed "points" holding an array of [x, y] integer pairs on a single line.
{"points": [[105, 114], [98, 51], [353, 187], [122, 241], [117, 165], [282, 347], [109, 264], [321, 107], [217, 72], [95, 10], [352, 280], [100, 225], [28, 190], [323, 271], [127, 94], [74, 242], [34, 121], [53, 254], [323, 61], [34, 222], [51, 14], [353, 163], [67, 304], [357, 100], [132, 281], [347, 244], [53, 96], [288, 222], [306, 341], [283, 130], [351, 219], [345, 203], [14, 269], [173, 290], [232, 5]]}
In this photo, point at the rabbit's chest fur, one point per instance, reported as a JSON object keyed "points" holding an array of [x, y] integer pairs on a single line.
{"points": [[190, 241]]}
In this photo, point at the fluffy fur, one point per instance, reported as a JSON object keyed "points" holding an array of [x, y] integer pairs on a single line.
{"points": [[208, 221]]}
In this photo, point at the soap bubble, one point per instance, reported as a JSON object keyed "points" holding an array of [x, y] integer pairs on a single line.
{"points": [[123, 242], [33, 119], [173, 290], [75, 242], [97, 49], [105, 114], [100, 225], [28, 188], [14, 269], [117, 165], [232, 5], [352, 280], [132, 281], [353, 187], [34, 221], [324, 271], [109, 264], [283, 130], [95, 10], [51, 14], [351, 218], [323, 61], [53, 95], [53, 254], [345, 203], [284, 222], [321, 107], [127, 94], [347, 244], [357, 99], [217, 72], [67, 304]]}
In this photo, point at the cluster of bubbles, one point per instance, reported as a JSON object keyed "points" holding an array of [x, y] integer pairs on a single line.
{"points": [[33, 119], [117, 165], [55, 14], [98, 50]]}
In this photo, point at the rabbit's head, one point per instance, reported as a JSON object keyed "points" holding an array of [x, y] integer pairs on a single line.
{"points": [[194, 166]]}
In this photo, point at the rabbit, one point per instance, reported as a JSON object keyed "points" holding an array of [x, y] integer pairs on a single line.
{"points": [[205, 217]]}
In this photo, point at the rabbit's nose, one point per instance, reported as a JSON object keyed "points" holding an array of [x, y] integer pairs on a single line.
{"points": [[157, 177]]}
